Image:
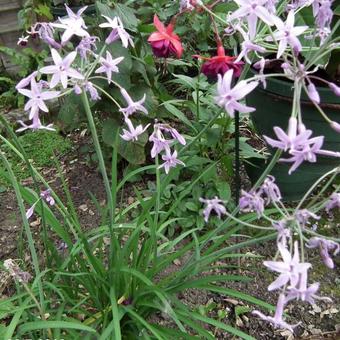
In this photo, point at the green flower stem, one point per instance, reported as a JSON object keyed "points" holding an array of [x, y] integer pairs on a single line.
{"points": [[99, 155], [307, 194], [95, 63], [158, 199], [107, 95], [206, 127], [27, 229]]}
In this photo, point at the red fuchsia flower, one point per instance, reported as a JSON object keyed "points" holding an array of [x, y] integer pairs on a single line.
{"points": [[164, 42], [220, 64]]}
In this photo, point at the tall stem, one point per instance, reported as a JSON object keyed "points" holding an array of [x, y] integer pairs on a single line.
{"points": [[155, 224], [99, 153]]}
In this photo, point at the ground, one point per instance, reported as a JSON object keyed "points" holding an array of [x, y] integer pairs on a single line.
{"points": [[317, 322]]}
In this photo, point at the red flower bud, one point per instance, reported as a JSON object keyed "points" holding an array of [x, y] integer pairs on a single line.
{"points": [[164, 42], [220, 64]]}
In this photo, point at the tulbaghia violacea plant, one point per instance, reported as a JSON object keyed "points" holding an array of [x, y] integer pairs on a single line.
{"points": [[113, 286]]}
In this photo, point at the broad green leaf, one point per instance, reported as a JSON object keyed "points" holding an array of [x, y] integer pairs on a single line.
{"points": [[224, 191], [177, 113]]}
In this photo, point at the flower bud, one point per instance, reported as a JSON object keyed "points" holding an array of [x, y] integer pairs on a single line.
{"points": [[334, 88], [313, 93], [335, 126]]}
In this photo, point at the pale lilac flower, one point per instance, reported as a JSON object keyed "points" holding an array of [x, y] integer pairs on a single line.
{"points": [[277, 320], [322, 12], [86, 46], [62, 69], [77, 89], [313, 94], [16, 272], [109, 65], [214, 204], [270, 190], [252, 10], [287, 34], [170, 161], [228, 97], [30, 211], [252, 201], [159, 144], [118, 31], [22, 41], [325, 247], [26, 81], [173, 132], [334, 88], [307, 152], [289, 268], [94, 95], [260, 65], [298, 145], [45, 31], [73, 25], [36, 98], [132, 106], [304, 293], [247, 46], [133, 133], [61, 246], [334, 202], [303, 216], [283, 233], [36, 125], [46, 195]]}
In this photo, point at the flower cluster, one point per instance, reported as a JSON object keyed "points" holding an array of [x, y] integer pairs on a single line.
{"points": [[257, 199], [298, 144], [45, 196], [160, 143], [16, 272]]}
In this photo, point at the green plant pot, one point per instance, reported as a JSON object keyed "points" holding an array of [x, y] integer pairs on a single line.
{"points": [[273, 108], [293, 186]]}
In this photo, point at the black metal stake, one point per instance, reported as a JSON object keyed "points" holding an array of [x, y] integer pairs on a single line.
{"points": [[237, 176]]}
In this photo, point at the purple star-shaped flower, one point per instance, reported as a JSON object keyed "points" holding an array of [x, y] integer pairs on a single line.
{"points": [[132, 106], [214, 204], [133, 133], [252, 201], [73, 24], [325, 247], [118, 31], [333, 202], [170, 161], [303, 292], [61, 70], [252, 10], [36, 98], [289, 268], [228, 97], [109, 65], [287, 34], [277, 320]]}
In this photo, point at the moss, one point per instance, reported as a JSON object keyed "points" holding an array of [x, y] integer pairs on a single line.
{"points": [[40, 147]]}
